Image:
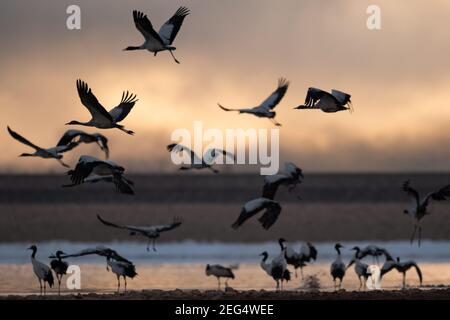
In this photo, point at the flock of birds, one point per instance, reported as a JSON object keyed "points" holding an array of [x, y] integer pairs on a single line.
{"points": [[92, 170]]}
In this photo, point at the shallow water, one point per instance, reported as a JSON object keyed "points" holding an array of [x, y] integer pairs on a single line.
{"points": [[218, 252], [95, 278]]}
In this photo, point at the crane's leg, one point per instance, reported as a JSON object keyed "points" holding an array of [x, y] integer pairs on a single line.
{"points": [[174, 57], [218, 283], [301, 272], [62, 163], [275, 122], [154, 248], [226, 283], [340, 284], [414, 233], [59, 284], [40, 287], [295, 272], [420, 234], [148, 245], [334, 284], [125, 280], [118, 283], [45, 288], [278, 285], [360, 283]]}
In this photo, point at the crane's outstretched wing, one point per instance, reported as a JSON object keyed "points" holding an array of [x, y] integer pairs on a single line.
{"points": [[441, 194], [313, 95], [174, 147], [21, 139], [249, 210], [211, 154], [110, 224], [101, 251], [68, 137], [82, 170], [122, 185], [276, 96], [342, 97], [65, 148], [167, 227], [411, 192], [169, 30], [270, 216], [91, 103], [227, 109], [123, 109], [145, 27]]}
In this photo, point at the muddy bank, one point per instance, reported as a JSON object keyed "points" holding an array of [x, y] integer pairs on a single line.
{"points": [[230, 294]]}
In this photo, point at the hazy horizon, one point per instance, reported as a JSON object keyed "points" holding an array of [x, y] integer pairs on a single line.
{"points": [[233, 52]]}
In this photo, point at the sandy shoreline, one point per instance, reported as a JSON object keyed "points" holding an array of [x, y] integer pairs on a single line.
{"points": [[411, 294]]}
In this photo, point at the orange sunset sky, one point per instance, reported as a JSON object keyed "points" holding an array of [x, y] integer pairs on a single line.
{"points": [[233, 52]]}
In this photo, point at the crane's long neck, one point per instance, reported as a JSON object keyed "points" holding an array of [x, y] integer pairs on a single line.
{"points": [[33, 254], [75, 122], [131, 48], [265, 266]]}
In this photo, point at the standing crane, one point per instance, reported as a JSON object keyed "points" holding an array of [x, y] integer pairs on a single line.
{"points": [[41, 270]]}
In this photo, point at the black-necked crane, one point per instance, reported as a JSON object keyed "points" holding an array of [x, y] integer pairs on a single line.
{"points": [[298, 259], [337, 269], [101, 118], [290, 177], [121, 269], [401, 267], [205, 162], [150, 232], [277, 268], [220, 272], [101, 251], [59, 267], [419, 206], [265, 109], [41, 270], [120, 266], [361, 269], [252, 207], [90, 169], [325, 101], [78, 136], [50, 153], [162, 40]]}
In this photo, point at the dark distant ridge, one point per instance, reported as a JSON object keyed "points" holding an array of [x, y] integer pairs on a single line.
{"points": [[210, 188]]}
